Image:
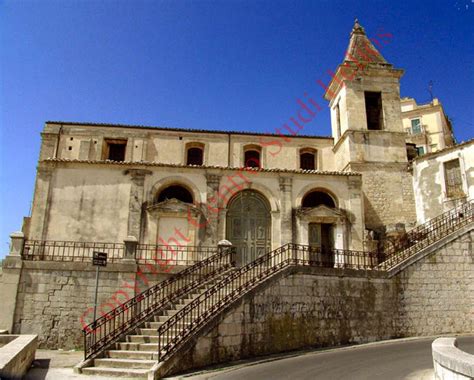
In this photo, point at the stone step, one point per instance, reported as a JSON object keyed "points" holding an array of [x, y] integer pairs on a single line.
{"points": [[124, 354], [152, 332], [152, 325], [116, 372], [124, 363], [133, 346], [142, 338]]}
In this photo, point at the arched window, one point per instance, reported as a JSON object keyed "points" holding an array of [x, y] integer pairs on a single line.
{"points": [[175, 191], [252, 157], [316, 198], [308, 159], [194, 154]]}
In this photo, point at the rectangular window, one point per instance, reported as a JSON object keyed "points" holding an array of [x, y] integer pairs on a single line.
{"points": [[114, 150], [420, 150], [338, 121], [373, 110], [415, 126], [453, 180]]}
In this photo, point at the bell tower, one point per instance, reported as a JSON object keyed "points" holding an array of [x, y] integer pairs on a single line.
{"points": [[364, 99]]}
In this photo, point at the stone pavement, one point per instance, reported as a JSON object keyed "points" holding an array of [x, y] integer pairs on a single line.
{"points": [[57, 364]]}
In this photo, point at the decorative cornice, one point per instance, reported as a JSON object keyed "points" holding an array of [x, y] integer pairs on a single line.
{"points": [[146, 164]]}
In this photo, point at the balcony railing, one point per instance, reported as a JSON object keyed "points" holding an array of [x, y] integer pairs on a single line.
{"points": [[172, 255], [74, 251]]}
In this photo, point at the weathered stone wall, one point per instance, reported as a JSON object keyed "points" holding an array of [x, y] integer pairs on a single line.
{"points": [[305, 308], [437, 292], [388, 194], [52, 298], [430, 182]]}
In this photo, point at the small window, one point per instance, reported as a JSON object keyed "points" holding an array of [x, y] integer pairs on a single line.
{"points": [[338, 121], [194, 156], [252, 158], [453, 180], [115, 150], [420, 151], [373, 110], [308, 159], [415, 126]]}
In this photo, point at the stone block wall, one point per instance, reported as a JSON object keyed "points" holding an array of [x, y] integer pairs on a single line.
{"points": [[388, 195], [437, 292], [52, 298], [298, 309]]}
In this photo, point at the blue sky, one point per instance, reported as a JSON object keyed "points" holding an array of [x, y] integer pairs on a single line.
{"points": [[229, 65]]}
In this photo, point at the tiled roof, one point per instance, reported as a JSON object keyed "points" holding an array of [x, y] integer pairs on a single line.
{"points": [[358, 44], [88, 124], [159, 164]]}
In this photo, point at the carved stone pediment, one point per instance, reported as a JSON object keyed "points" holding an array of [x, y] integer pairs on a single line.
{"points": [[174, 206], [321, 214]]}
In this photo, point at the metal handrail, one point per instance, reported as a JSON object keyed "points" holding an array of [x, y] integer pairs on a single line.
{"points": [[426, 234], [178, 328], [110, 326]]}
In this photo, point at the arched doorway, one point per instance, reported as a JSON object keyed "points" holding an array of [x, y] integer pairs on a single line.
{"points": [[248, 225], [318, 205]]}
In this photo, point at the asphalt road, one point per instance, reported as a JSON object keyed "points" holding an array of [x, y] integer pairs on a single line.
{"points": [[405, 359]]}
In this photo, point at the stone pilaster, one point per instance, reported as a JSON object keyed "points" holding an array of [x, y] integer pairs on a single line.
{"points": [[41, 203], [212, 199], [356, 225], [136, 200], [11, 273], [286, 185], [130, 243]]}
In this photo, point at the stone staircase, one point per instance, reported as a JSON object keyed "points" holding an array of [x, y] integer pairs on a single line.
{"points": [[135, 354], [149, 352]]}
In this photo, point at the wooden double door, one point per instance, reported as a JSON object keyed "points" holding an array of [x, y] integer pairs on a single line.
{"points": [[249, 225], [320, 237]]}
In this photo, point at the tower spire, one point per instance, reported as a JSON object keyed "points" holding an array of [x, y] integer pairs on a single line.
{"points": [[361, 48]]}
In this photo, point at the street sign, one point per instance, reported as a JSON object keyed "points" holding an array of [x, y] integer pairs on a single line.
{"points": [[99, 259]]}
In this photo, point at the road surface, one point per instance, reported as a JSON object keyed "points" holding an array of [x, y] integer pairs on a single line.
{"points": [[404, 359]]}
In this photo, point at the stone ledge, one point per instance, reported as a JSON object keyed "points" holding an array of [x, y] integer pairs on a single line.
{"points": [[17, 355], [457, 362]]}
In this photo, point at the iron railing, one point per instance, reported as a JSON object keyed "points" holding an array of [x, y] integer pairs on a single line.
{"points": [[129, 315], [426, 234], [179, 327], [44, 250], [172, 255]]}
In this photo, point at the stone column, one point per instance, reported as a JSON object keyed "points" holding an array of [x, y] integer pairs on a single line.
{"points": [[286, 184], [212, 199], [41, 202], [10, 281], [136, 200]]}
